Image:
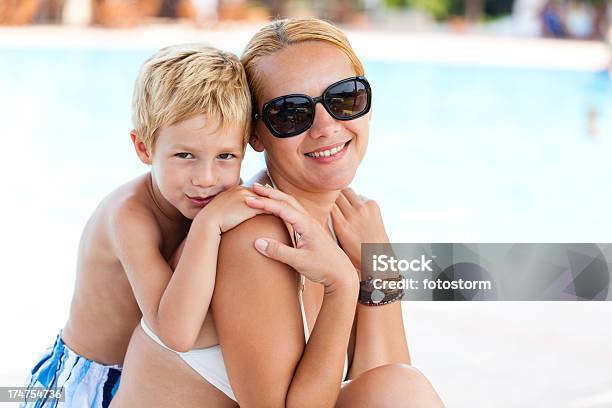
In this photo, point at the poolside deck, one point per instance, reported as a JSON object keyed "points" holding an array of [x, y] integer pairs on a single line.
{"points": [[514, 354], [380, 45], [505, 354]]}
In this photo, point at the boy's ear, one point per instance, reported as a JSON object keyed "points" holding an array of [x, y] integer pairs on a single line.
{"points": [[255, 142], [141, 149]]}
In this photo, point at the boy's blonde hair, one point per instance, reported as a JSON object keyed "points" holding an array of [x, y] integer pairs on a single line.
{"points": [[182, 81], [281, 34]]}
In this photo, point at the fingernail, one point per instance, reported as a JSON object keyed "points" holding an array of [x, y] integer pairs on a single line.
{"points": [[269, 186], [250, 198], [258, 184], [261, 244]]}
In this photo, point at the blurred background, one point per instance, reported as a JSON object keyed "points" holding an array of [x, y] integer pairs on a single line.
{"points": [[575, 19], [492, 122]]}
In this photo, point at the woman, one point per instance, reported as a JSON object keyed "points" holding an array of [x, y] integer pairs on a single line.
{"points": [[263, 310]]}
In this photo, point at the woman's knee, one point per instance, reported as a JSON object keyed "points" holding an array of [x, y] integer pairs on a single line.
{"points": [[391, 385]]}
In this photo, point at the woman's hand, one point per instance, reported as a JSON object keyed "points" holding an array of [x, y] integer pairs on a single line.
{"points": [[316, 255], [357, 222]]}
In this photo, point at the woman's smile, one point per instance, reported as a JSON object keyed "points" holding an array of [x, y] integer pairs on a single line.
{"points": [[330, 153]]}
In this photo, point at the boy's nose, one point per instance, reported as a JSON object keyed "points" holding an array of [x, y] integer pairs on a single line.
{"points": [[204, 176]]}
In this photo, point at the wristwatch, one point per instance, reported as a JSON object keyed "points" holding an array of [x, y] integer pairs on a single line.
{"points": [[370, 296]]}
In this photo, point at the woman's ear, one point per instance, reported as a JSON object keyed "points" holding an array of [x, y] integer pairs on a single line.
{"points": [[141, 149], [255, 142]]}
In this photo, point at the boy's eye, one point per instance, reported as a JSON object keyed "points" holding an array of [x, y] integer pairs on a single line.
{"points": [[184, 155], [226, 156]]}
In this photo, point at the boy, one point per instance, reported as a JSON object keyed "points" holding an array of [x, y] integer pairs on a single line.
{"points": [[191, 114]]}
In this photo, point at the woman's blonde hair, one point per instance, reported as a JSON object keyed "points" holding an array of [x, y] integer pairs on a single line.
{"points": [[281, 34], [182, 81]]}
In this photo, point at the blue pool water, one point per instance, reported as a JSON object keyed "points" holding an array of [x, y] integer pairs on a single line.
{"points": [[493, 153], [456, 153]]}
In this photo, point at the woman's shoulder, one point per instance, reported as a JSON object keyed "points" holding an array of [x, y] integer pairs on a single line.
{"points": [[237, 254], [242, 237]]}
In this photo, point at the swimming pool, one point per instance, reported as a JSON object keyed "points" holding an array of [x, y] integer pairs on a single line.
{"points": [[457, 153]]}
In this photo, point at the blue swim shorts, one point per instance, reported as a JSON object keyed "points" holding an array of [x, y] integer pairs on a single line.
{"points": [[86, 384]]}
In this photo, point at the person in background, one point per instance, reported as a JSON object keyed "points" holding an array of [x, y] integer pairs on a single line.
{"points": [[177, 9], [127, 13], [19, 12], [551, 19], [579, 21], [609, 41]]}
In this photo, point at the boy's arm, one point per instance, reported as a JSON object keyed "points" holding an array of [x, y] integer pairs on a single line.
{"points": [[173, 304]]}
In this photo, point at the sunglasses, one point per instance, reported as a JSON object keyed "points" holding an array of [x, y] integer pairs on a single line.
{"points": [[290, 115]]}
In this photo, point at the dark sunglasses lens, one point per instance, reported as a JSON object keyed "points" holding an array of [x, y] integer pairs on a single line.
{"points": [[289, 115], [347, 99]]}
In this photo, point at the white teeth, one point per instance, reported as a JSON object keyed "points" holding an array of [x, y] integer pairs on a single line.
{"points": [[327, 153]]}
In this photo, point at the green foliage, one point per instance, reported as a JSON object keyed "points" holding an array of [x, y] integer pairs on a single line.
{"points": [[396, 4], [442, 9], [439, 9]]}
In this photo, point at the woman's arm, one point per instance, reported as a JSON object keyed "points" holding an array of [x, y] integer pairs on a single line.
{"points": [[258, 320], [380, 338]]}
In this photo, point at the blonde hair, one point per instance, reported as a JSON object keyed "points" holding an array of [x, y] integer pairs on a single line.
{"points": [[281, 34], [182, 81]]}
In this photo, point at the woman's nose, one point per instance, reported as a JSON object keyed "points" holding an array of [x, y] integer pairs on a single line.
{"points": [[324, 124]]}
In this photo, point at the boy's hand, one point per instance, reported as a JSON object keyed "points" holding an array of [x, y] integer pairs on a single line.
{"points": [[228, 209], [357, 222]]}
